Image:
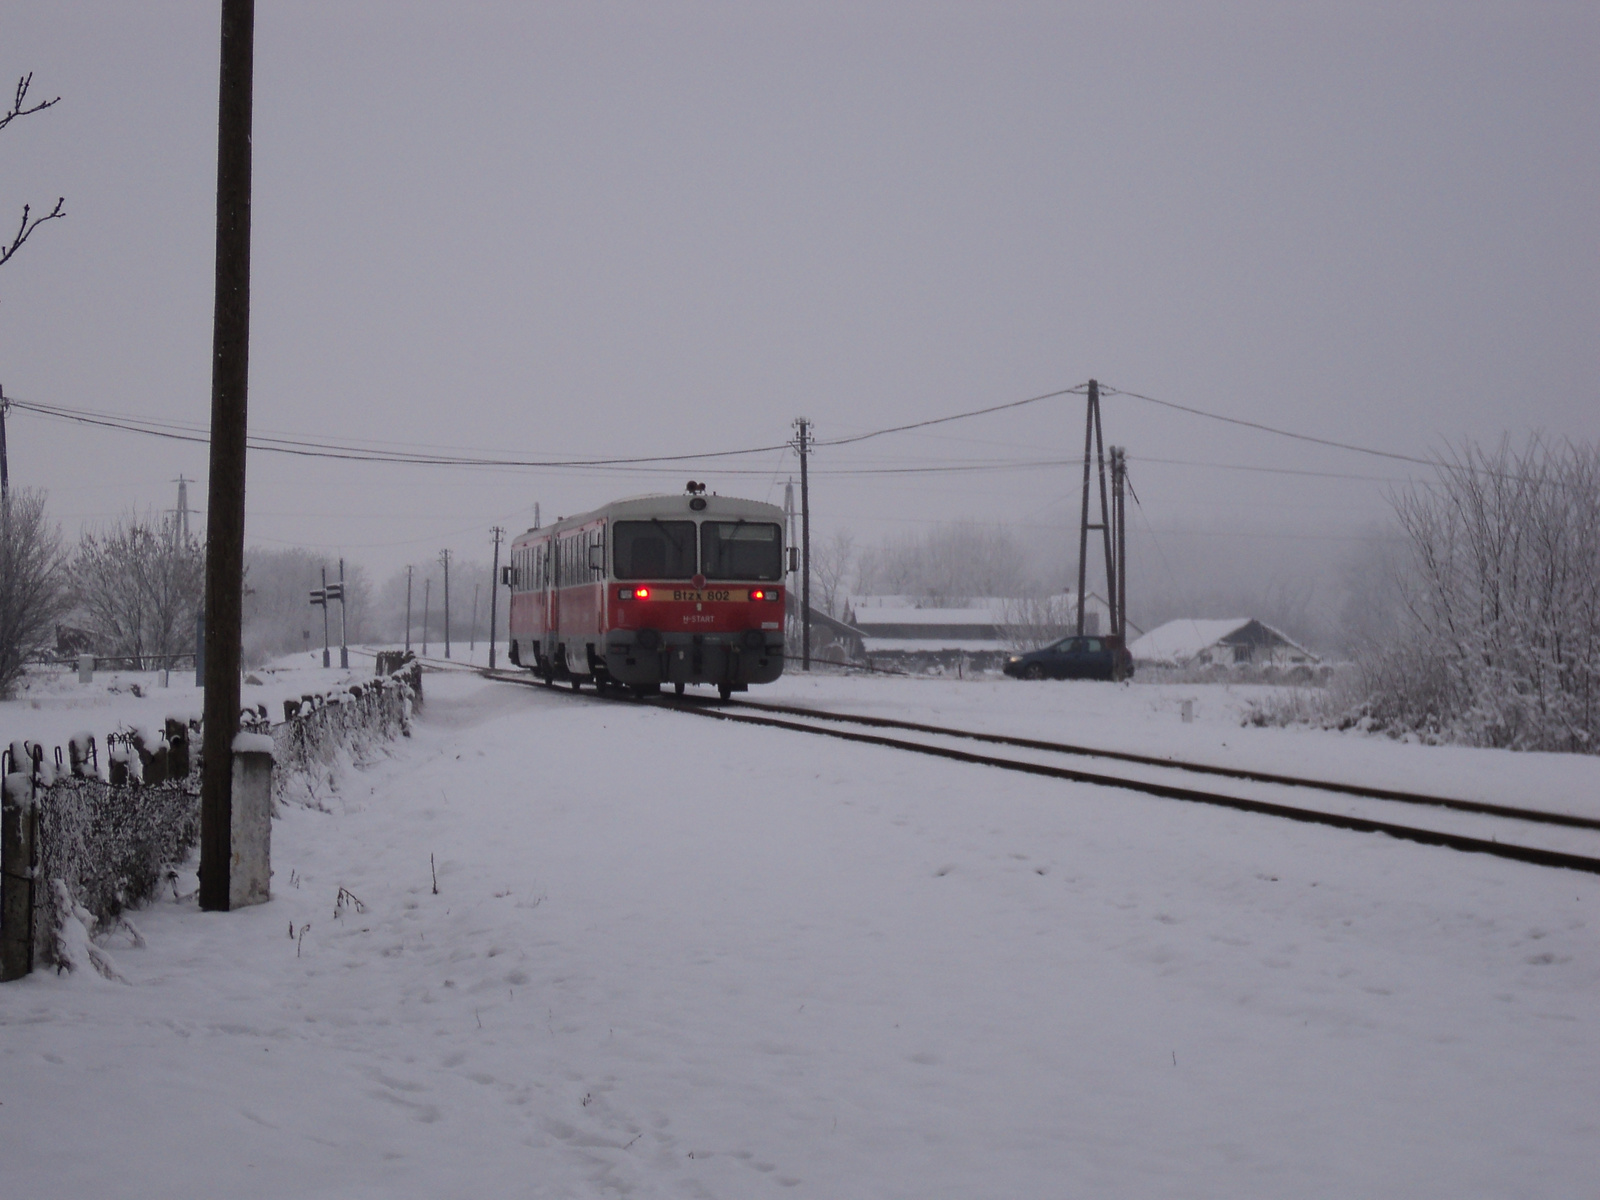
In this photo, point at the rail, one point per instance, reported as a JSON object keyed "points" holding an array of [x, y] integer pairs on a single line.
{"points": [[831, 724]]}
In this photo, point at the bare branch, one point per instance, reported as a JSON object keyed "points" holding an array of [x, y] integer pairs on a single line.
{"points": [[22, 94], [20, 108], [27, 227]]}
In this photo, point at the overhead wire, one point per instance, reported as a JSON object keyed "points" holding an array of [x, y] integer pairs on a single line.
{"points": [[1079, 390], [1299, 437], [354, 452]]}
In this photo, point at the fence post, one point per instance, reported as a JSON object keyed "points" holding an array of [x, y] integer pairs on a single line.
{"points": [[250, 865], [19, 830]]}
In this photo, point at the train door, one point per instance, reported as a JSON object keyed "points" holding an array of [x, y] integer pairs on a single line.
{"points": [[552, 595]]}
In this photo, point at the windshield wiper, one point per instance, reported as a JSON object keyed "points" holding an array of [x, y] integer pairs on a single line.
{"points": [[676, 545]]}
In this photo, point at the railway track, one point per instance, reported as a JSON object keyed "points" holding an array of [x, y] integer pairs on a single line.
{"points": [[1569, 841]]}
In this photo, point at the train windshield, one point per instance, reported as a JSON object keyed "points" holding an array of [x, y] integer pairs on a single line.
{"points": [[740, 550], [653, 549]]}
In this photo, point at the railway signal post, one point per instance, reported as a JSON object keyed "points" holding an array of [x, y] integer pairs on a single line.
{"points": [[322, 597], [344, 647]]}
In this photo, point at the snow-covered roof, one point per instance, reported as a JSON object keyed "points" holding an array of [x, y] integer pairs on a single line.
{"points": [[1185, 639], [866, 618], [932, 645], [870, 611]]}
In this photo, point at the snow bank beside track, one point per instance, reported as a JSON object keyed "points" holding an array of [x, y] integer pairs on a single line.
{"points": [[669, 957]]}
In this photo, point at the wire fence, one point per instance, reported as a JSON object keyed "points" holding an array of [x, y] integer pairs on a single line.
{"points": [[81, 842]]}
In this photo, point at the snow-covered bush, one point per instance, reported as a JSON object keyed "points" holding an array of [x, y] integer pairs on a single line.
{"points": [[1501, 645]]}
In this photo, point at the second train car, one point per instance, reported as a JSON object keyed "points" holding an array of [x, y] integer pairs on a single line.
{"points": [[684, 589]]}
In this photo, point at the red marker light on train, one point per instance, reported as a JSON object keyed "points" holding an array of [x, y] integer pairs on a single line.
{"points": [[641, 593], [757, 594]]}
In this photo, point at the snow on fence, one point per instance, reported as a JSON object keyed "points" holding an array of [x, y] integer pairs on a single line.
{"points": [[323, 734], [78, 848]]}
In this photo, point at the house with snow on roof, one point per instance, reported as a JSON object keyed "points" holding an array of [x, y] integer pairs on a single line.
{"points": [[1229, 642]]}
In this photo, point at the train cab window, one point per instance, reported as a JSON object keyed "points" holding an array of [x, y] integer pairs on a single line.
{"points": [[653, 549], [740, 550]]}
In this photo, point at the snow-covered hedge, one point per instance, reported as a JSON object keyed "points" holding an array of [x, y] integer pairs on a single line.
{"points": [[103, 849], [325, 733]]}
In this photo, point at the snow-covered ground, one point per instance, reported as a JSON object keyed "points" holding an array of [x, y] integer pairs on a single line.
{"points": [[674, 957]]}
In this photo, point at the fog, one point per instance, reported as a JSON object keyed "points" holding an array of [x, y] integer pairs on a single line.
{"points": [[578, 231]]}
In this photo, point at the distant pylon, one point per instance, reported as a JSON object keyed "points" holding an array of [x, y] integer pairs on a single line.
{"points": [[181, 525]]}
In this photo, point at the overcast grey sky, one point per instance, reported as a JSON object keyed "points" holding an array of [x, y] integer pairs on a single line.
{"points": [[551, 230]]}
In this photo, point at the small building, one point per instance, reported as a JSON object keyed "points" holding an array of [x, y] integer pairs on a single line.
{"points": [[1228, 642]]}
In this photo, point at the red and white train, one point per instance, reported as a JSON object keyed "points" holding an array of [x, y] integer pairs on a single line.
{"points": [[657, 589]]}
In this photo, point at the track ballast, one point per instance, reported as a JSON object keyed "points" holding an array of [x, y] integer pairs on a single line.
{"points": [[868, 731]]}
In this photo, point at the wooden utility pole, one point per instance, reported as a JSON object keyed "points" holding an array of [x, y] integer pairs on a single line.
{"points": [[1093, 444], [408, 608], [1119, 521], [427, 601], [494, 590], [803, 444], [5, 468], [230, 373], [444, 557]]}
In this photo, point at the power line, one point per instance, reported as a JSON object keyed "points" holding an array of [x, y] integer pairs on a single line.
{"points": [[1079, 390], [355, 451], [1299, 437], [309, 448], [351, 452]]}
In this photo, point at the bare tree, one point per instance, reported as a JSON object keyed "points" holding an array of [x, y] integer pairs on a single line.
{"points": [[32, 583], [831, 564], [950, 563], [1028, 622], [1502, 645], [138, 587], [19, 108]]}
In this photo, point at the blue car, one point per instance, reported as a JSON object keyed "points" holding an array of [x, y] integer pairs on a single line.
{"points": [[1074, 658]]}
